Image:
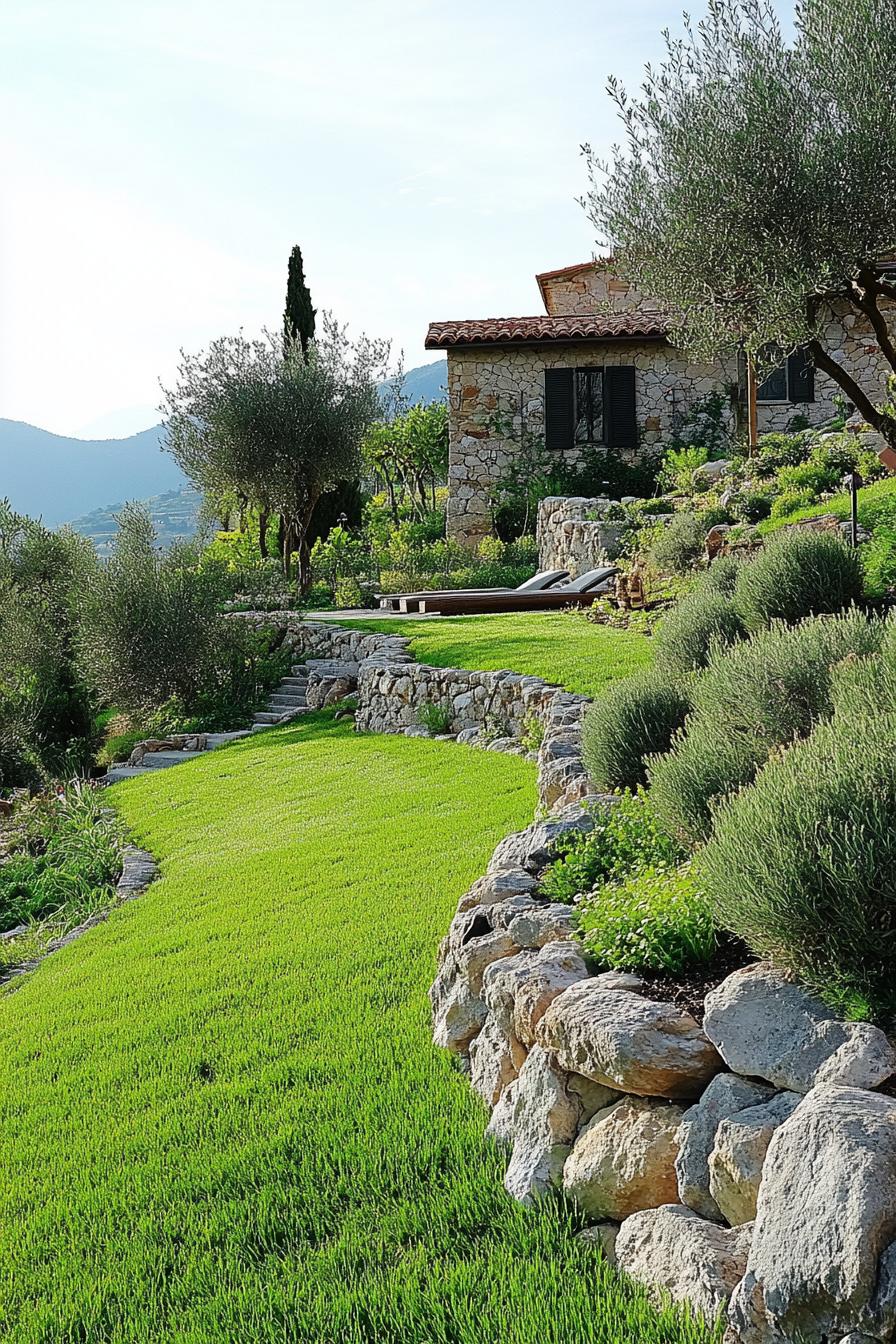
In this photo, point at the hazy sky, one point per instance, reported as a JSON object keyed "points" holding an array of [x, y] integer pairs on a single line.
{"points": [[160, 159]]}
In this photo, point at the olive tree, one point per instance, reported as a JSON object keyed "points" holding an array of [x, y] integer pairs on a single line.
{"points": [[276, 426], [755, 183]]}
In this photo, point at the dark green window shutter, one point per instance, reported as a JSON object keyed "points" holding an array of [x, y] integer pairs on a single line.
{"points": [[621, 426], [801, 376], [559, 409]]}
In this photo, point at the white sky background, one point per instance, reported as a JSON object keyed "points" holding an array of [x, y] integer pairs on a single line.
{"points": [[158, 161]]}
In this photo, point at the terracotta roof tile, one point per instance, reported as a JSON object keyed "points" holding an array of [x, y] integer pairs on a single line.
{"points": [[539, 330]]}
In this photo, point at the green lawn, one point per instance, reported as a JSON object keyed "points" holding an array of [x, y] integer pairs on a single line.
{"points": [[222, 1118], [560, 646], [877, 504]]}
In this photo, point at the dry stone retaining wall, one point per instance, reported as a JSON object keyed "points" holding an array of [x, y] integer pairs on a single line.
{"points": [[744, 1165]]}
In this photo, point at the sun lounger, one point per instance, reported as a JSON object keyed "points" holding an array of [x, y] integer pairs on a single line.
{"points": [[579, 592], [410, 601]]}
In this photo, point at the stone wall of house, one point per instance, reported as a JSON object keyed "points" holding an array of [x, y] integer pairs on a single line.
{"points": [[496, 400], [574, 533], [592, 289]]}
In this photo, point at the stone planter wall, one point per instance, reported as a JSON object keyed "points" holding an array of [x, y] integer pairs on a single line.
{"points": [[744, 1165], [569, 539]]}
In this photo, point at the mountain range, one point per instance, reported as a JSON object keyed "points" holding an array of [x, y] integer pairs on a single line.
{"points": [[85, 481]]}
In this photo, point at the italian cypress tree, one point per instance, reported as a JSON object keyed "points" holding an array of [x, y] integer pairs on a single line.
{"points": [[298, 316]]}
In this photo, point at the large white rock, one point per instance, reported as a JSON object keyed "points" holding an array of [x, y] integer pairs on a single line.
{"points": [[624, 1159], [726, 1094], [478, 953], [500, 1127], [520, 989], [768, 1027], [543, 1124], [533, 848], [738, 1155], [628, 1042], [822, 1256], [542, 924], [671, 1250], [497, 886], [457, 1013], [495, 1060]]}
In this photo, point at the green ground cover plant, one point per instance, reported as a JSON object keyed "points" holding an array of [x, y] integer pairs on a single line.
{"points": [[562, 647], [624, 835], [877, 504], [60, 857], [222, 1116]]}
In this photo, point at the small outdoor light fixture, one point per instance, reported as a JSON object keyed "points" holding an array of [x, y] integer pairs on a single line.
{"points": [[852, 482], [342, 520]]}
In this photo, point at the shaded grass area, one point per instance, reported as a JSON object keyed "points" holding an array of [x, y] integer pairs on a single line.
{"points": [[221, 1116], [876, 505], [562, 647]]}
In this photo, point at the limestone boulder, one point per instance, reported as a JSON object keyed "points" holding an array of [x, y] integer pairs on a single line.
{"points": [[768, 1027], [543, 1124], [542, 924], [458, 1013], [822, 1261], [738, 1155], [675, 1253], [520, 989], [477, 954], [533, 848], [726, 1094], [628, 1042], [497, 886], [624, 1159], [495, 1060], [500, 1126]]}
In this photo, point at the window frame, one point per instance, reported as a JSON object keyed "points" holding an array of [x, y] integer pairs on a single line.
{"points": [[788, 399], [590, 369]]}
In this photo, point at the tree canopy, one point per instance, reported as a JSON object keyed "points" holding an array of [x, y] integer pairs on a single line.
{"points": [[275, 426], [756, 181]]}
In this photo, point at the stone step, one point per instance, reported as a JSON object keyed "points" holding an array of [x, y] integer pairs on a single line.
{"points": [[267, 717], [287, 701], [158, 760], [117, 772], [295, 681], [299, 670]]}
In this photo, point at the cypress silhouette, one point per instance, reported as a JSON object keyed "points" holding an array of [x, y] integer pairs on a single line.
{"points": [[298, 316]]}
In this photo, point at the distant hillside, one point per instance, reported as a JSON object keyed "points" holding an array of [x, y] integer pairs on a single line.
{"points": [[426, 383], [59, 479], [55, 478], [174, 517]]}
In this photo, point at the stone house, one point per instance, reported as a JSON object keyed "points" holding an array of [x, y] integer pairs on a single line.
{"points": [[597, 370]]}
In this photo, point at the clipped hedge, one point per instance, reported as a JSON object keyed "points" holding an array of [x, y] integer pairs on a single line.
{"points": [[632, 720], [801, 865]]}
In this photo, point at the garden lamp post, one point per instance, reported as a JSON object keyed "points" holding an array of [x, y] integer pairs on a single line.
{"points": [[852, 482]]}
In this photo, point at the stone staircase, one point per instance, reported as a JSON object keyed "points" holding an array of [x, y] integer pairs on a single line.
{"points": [[286, 702]]}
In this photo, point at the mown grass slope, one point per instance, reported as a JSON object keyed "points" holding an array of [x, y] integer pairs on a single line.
{"points": [[221, 1117], [876, 505], [562, 647]]}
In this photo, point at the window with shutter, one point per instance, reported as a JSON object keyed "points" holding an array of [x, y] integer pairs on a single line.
{"points": [[559, 409], [589, 406], [620, 422]]}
